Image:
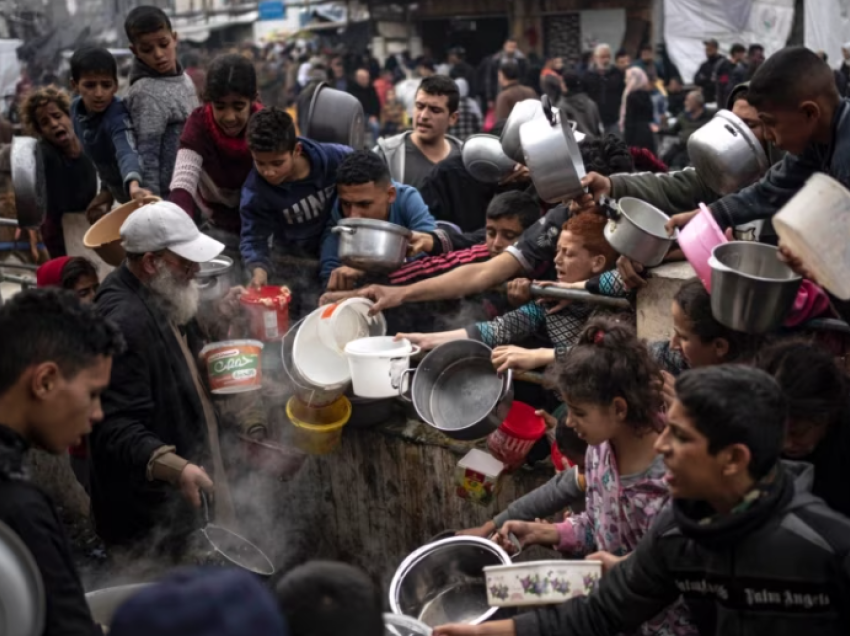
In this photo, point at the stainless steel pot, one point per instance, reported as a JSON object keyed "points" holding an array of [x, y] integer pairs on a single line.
{"points": [[28, 182], [751, 289], [104, 603], [552, 156], [214, 278], [522, 112], [636, 230], [370, 245], [456, 390], [485, 160], [22, 598], [726, 153], [443, 582], [335, 117]]}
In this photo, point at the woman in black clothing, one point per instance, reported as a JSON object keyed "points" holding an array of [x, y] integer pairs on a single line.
{"points": [[636, 112], [818, 394]]}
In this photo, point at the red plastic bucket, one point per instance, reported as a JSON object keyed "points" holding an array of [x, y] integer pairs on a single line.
{"points": [[268, 311], [511, 442]]}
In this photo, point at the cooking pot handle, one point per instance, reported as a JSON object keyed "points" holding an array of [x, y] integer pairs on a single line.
{"points": [[401, 385], [507, 379], [547, 109], [342, 229], [610, 208]]}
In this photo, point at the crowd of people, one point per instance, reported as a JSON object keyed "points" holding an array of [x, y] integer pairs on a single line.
{"points": [[707, 471]]}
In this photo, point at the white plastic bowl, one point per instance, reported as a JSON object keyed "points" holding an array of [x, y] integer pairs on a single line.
{"points": [[378, 365], [323, 366], [540, 582]]}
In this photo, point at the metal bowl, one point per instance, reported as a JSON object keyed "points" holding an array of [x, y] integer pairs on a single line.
{"points": [[751, 289], [104, 603], [726, 153], [28, 182], [398, 625], [485, 160], [443, 582], [214, 277], [523, 112], [22, 598]]}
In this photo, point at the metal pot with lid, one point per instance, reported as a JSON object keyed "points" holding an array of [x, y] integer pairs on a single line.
{"points": [[28, 182], [636, 230], [726, 153], [335, 117], [371, 245]]}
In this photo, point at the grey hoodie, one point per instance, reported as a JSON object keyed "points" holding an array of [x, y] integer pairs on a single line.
{"points": [[159, 106]]}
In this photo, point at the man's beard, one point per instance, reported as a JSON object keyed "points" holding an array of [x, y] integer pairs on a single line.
{"points": [[177, 298]]}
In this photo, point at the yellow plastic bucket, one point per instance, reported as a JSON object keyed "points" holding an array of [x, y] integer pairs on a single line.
{"points": [[318, 429]]}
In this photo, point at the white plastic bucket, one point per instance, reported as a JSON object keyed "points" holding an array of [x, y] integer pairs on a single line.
{"points": [[378, 365], [815, 226]]}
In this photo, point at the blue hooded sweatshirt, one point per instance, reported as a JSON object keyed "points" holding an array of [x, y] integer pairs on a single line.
{"points": [[294, 214], [109, 141], [408, 210]]}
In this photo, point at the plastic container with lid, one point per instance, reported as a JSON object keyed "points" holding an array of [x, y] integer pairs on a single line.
{"points": [[521, 429], [233, 366]]}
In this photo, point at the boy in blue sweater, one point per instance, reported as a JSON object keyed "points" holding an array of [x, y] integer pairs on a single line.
{"points": [[104, 128], [365, 191], [288, 195]]}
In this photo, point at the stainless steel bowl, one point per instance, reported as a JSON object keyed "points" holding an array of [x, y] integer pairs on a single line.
{"points": [[751, 289], [372, 246], [485, 160], [22, 598], [443, 582], [726, 153], [522, 112], [103, 603], [636, 230], [214, 278]]}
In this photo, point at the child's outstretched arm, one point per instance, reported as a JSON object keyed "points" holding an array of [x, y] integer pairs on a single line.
{"points": [[124, 141]]}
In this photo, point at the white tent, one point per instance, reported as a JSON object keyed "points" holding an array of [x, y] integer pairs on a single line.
{"points": [[827, 27]]}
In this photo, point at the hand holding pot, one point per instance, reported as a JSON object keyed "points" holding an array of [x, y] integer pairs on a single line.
{"points": [[420, 242], [630, 272], [795, 263], [193, 479], [229, 305], [428, 341], [259, 278], [608, 560], [513, 357], [679, 221], [343, 278], [384, 297], [597, 186], [528, 534]]}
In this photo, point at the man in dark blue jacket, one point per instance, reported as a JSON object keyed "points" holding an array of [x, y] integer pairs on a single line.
{"points": [[287, 197]]}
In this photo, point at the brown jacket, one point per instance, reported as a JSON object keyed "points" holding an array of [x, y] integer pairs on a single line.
{"points": [[508, 98]]}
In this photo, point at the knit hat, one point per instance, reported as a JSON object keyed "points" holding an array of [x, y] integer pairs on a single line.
{"points": [[201, 602], [50, 274]]}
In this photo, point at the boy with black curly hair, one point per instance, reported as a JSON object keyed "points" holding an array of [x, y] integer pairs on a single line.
{"points": [[287, 197]]}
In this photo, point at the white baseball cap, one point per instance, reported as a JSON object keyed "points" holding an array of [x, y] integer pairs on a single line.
{"points": [[163, 225]]}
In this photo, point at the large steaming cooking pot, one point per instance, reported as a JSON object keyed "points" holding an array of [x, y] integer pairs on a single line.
{"points": [[726, 153], [370, 245], [335, 117], [28, 182]]}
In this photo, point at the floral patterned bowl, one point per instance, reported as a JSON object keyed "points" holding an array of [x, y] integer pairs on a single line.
{"points": [[540, 582]]}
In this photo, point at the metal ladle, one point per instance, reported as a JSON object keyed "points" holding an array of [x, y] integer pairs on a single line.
{"points": [[233, 547]]}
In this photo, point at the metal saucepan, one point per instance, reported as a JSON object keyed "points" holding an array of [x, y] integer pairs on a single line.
{"points": [[443, 582], [485, 160], [552, 156], [28, 182], [214, 277], [235, 548], [523, 112], [372, 246], [726, 153], [456, 390], [22, 600], [636, 230], [335, 117], [751, 289]]}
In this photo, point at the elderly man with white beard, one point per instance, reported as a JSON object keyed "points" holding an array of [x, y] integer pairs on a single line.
{"points": [[159, 425]]}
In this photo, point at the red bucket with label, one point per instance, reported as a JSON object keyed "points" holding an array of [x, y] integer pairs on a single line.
{"points": [[268, 311], [521, 429]]}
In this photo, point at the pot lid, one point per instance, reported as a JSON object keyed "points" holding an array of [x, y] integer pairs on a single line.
{"points": [[376, 225]]}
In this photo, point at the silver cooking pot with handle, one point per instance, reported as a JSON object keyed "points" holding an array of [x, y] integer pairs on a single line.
{"points": [[552, 156], [214, 278], [456, 390], [372, 246], [28, 182], [636, 230], [524, 111], [22, 600], [335, 117], [726, 153]]}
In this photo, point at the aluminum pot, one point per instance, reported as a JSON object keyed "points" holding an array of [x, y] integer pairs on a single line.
{"points": [[443, 582], [28, 182], [485, 160], [636, 230], [214, 278], [456, 390], [726, 153], [103, 603], [552, 156], [335, 117], [751, 289], [370, 245], [523, 112], [22, 598]]}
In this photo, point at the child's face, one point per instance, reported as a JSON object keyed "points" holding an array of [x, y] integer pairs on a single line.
{"points": [[158, 50], [276, 167], [231, 113], [55, 126], [96, 90], [687, 342], [502, 233], [595, 423], [573, 262], [790, 129]]}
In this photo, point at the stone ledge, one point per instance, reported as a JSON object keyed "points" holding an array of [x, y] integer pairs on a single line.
{"points": [[654, 319]]}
